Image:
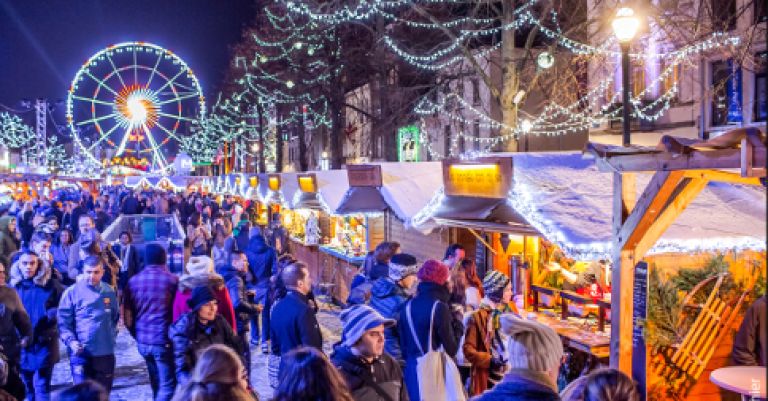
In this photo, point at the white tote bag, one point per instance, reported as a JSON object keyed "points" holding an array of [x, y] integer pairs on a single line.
{"points": [[439, 378]]}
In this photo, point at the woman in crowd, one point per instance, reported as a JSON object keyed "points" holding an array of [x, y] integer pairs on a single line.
{"points": [[308, 375], [200, 273], [60, 250], [223, 242], [219, 375], [15, 332], [197, 235], [473, 291], [9, 242]]}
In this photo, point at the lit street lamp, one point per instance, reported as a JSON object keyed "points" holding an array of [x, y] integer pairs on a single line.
{"points": [[625, 27]]}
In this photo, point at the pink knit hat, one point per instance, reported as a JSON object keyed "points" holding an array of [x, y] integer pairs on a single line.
{"points": [[433, 271]]}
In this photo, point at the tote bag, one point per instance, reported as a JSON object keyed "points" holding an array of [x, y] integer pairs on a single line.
{"points": [[439, 378]]}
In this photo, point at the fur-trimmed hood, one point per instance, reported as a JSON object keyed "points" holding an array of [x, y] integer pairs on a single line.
{"points": [[189, 281], [41, 278]]}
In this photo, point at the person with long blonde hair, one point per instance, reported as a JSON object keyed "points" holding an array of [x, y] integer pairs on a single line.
{"points": [[219, 375]]}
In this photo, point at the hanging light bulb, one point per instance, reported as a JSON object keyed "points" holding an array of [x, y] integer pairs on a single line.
{"points": [[545, 60], [289, 84]]}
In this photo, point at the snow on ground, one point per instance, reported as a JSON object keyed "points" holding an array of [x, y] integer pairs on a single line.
{"points": [[132, 381]]}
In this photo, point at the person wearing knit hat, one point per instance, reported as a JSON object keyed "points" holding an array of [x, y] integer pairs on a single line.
{"points": [[361, 349], [197, 329], [534, 355], [494, 284], [200, 273], [388, 294], [415, 320]]}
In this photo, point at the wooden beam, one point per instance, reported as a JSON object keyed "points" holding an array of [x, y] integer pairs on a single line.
{"points": [[697, 160], [648, 207], [723, 176], [480, 238], [679, 201]]}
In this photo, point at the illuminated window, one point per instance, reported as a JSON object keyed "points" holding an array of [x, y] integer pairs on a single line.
{"points": [[638, 80], [760, 86], [726, 93], [671, 79]]}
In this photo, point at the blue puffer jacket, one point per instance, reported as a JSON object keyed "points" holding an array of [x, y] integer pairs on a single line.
{"points": [[40, 296], [262, 259], [89, 314], [522, 385], [388, 298]]}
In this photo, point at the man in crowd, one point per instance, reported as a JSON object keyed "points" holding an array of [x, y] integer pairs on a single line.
{"points": [[293, 322], [371, 373], [148, 315], [262, 260], [129, 259], [88, 316], [245, 309]]}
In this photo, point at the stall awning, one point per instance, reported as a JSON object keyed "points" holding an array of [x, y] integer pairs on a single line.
{"points": [[308, 200], [362, 200], [485, 214]]}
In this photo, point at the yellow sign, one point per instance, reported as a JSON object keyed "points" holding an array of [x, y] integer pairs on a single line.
{"points": [[254, 181], [307, 183], [482, 178], [274, 182]]}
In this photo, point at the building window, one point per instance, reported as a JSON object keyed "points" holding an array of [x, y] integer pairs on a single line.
{"points": [[726, 93], [638, 79], [447, 139], [724, 14], [761, 63], [475, 92], [760, 11], [476, 133], [462, 144], [671, 80], [460, 89]]}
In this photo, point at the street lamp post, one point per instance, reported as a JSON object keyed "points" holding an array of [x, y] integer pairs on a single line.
{"points": [[624, 27]]}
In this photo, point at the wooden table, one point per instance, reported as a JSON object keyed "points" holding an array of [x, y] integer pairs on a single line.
{"points": [[749, 381], [596, 344]]}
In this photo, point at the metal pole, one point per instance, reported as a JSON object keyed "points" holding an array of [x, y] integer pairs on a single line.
{"points": [[625, 93]]}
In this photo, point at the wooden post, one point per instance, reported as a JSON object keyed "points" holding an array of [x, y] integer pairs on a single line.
{"points": [[624, 196]]}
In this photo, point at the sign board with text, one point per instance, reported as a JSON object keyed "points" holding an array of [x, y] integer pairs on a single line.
{"points": [[639, 316], [273, 182], [307, 182], [483, 178], [364, 175]]}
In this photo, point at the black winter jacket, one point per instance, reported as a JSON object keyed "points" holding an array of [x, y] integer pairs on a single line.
{"points": [[189, 338], [521, 385], [293, 324], [244, 309], [749, 345], [359, 374], [262, 259], [447, 330]]}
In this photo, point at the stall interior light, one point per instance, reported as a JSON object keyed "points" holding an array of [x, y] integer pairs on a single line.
{"points": [[274, 183], [474, 167], [306, 184]]}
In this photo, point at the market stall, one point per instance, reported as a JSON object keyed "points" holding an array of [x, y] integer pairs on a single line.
{"points": [[562, 196]]}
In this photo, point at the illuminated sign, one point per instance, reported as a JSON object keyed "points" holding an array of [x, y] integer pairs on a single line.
{"points": [[274, 182], [364, 175], [408, 144], [484, 178], [307, 183], [254, 181]]}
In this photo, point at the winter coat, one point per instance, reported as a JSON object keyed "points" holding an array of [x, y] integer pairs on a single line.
{"points": [[8, 244], [216, 283], [476, 350], [293, 324], [89, 314], [749, 345], [279, 235], [190, 337], [14, 322], [387, 298], [61, 259], [25, 226], [131, 205], [129, 266], [109, 260], [446, 331], [262, 259], [244, 309], [40, 296], [379, 270], [522, 385], [359, 374], [148, 304]]}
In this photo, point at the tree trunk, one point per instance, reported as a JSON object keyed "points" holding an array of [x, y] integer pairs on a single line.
{"points": [[510, 79], [336, 136], [262, 160], [279, 143], [302, 133]]}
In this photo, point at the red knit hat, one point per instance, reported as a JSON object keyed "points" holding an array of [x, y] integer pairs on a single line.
{"points": [[433, 271]]}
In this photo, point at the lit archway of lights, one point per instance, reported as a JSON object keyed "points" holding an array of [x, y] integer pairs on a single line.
{"points": [[133, 101]]}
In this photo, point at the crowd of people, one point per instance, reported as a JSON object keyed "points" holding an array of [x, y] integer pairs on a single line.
{"points": [[410, 331]]}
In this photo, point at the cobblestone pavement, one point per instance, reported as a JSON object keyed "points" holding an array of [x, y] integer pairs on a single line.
{"points": [[132, 381]]}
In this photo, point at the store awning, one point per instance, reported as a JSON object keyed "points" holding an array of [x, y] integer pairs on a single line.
{"points": [[308, 200], [362, 200], [485, 214]]}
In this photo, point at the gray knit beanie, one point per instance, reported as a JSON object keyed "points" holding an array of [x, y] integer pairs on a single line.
{"points": [[531, 345], [402, 265], [357, 320], [494, 284]]}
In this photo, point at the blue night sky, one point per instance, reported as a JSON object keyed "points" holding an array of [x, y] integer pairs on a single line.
{"points": [[43, 43]]}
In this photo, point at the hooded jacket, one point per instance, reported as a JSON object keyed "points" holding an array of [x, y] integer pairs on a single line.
{"points": [[40, 296], [387, 298], [359, 374], [89, 314], [262, 259], [244, 309], [8, 244], [14, 322], [522, 385], [215, 282], [189, 337]]}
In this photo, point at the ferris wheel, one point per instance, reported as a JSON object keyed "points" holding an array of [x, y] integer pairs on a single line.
{"points": [[131, 103]]}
